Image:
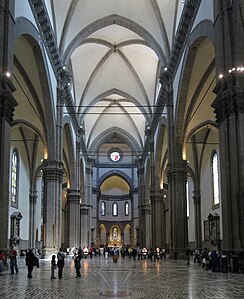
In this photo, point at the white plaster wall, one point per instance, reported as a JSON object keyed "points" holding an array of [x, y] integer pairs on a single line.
{"points": [[205, 12], [206, 189], [23, 192]]}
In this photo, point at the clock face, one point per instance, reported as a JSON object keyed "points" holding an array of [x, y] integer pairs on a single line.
{"points": [[115, 156]]}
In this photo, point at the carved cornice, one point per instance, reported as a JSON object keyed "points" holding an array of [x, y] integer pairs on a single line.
{"points": [[41, 15]]}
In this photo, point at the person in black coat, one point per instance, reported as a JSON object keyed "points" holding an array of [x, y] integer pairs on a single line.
{"points": [[60, 264], [77, 265], [30, 261]]}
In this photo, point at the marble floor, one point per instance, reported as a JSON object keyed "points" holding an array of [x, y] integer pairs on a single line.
{"points": [[125, 279]]}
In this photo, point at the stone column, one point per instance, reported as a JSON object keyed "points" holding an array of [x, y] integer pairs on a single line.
{"points": [[7, 106], [73, 200], [59, 122], [176, 179], [86, 205], [178, 208], [229, 109], [143, 207], [197, 218], [158, 219], [73, 210], [32, 213], [157, 205], [53, 177]]}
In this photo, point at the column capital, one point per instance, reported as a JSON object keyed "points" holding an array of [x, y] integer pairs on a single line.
{"points": [[197, 197], [156, 195], [229, 101], [33, 196], [53, 170], [140, 170], [177, 171], [73, 195], [7, 101], [89, 165]]}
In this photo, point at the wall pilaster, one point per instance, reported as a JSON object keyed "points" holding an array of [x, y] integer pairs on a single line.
{"points": [[176, 174], [32, 213], [197, 218]]}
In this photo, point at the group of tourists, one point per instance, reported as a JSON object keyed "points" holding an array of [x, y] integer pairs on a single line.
{"points": [[139, 253], [12, 255], [208, 259], [31, 261]]}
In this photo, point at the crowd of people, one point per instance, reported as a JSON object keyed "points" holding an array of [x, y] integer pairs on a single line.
{"points": [[208, 259], [31, 261], [130, 252]]}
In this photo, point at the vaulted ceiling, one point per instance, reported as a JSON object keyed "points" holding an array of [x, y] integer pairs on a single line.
{"points": [[114, 51]]}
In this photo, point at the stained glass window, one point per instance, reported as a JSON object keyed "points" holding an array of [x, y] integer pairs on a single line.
{"points": [[103, 208], [126, 209], [14, 177], [187, 200], [215, 178], [115, 209], [115, 156]]}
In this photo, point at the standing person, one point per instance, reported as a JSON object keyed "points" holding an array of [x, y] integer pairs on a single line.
{"points": [[134, 253], [30, 261], [53, 266], [106, 253], [140, 253], [13, 260], [60, 257], [77, 265], [188, 252], [3, 262]]}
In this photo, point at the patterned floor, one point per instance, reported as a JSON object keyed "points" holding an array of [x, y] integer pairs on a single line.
{"points": [[125, 279]]}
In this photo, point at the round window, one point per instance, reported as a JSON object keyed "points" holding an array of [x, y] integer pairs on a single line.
{"points": [[115, 156]]}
